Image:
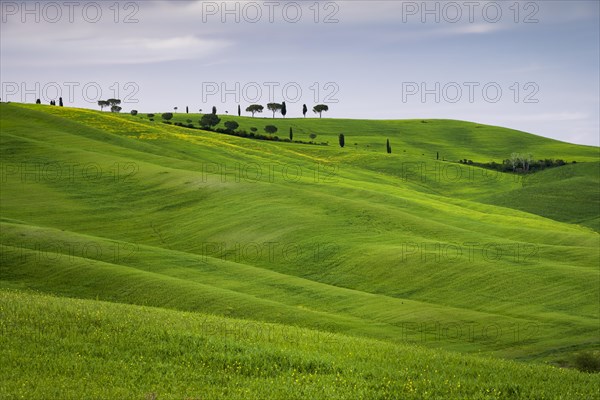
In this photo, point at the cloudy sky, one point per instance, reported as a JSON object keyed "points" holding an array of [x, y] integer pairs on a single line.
{"points": [[528, 65]]}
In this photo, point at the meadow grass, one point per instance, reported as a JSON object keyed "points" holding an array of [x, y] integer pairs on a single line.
{"points": [[71, 349]]}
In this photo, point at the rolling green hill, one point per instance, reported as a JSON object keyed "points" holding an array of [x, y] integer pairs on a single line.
{"points": [[399, 252]]}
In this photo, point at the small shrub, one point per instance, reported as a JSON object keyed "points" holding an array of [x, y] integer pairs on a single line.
{"points": [[209, 120], [231, 125], [587, 361], [270, 129]]}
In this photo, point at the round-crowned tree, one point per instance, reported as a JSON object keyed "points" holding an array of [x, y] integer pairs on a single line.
{"points": [[319, 108], [255, 108]]}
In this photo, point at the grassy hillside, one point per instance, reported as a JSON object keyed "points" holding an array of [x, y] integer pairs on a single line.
{"points": [[72, 349], [397, 249], [419, 142]]}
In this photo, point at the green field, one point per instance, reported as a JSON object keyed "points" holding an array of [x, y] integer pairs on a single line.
{"points": [[145, 260]]}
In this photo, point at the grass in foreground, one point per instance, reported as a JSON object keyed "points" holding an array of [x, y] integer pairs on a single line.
{"points": [[71, 349]]}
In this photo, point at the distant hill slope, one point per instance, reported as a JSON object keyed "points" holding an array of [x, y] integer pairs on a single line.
{"points": [[570, 194], [454, 140]]}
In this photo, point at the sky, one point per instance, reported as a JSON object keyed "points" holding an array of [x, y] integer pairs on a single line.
{"points": [[527, 65]]}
